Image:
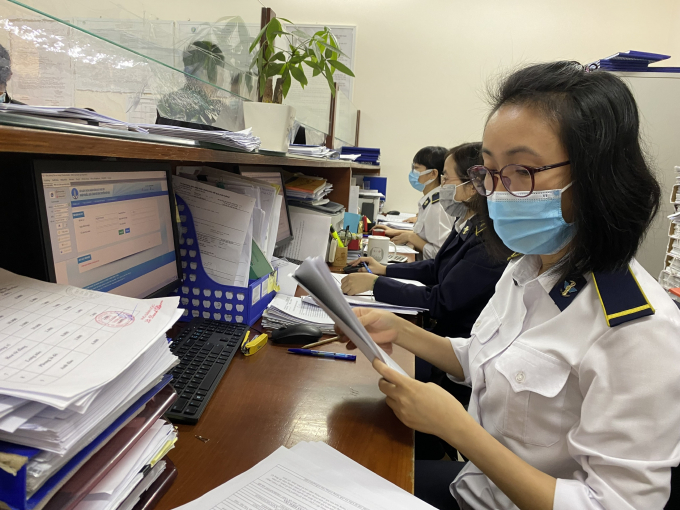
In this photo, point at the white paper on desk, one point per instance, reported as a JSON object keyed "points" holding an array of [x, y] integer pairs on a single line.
{"points": [[287, 284], [296, 308], [222, 219], [51, 329], [305, 479], [310, 235], [338, 277], [315, 277]]}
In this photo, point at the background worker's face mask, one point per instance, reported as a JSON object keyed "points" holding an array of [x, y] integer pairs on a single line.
{"points": [[447, 199], [414, 175], [531, 225]]}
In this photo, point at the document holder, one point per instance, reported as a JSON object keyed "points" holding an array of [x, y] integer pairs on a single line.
{"points": [[201, 296]]}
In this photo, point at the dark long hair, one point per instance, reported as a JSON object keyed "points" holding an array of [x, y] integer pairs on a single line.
{"points": [[464, 156], [431, 157], [615, 194]]}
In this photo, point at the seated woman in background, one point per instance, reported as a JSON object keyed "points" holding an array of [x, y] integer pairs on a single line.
{"points": [[433, 225], [461, 279], [574, 362]]}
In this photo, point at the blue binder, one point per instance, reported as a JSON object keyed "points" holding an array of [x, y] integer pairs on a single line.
{"points": [[13, 488]]}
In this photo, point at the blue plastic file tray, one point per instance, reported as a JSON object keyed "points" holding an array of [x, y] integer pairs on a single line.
{"points": [[13, 488], [201, 296]]}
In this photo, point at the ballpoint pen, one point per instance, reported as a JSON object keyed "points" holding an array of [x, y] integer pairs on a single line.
{"points": [[323, 354], [367, 268]]}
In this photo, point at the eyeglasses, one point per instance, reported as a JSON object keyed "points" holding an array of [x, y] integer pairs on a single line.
{"points": [[517, 179]]}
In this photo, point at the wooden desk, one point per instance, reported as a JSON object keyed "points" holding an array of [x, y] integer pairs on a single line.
{"points": [[274, 398]]}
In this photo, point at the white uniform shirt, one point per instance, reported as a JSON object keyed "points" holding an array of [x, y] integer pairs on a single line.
{"points": [[433, 224], [596, 407]]}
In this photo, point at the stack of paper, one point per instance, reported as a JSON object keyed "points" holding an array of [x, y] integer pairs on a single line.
{"points": [[366, 155], [313, 151], [71, 362], [633, 61], [309, 476], [224, 226], [71, 114], [314, 276], [367, 300], [243, 140], [118, 484], [309, 189], [289, 310]]}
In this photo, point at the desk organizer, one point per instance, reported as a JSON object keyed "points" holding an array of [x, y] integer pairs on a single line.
{"points": [[201, 296]]}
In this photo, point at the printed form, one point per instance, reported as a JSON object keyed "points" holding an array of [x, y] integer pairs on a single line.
{"points": [[222, 220], [47, 330]]}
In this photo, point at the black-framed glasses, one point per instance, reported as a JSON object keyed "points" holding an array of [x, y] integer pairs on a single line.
{"points": [[517, 179]]}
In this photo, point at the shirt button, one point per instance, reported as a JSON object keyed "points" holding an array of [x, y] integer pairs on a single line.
{"points": [[476, 325], [520, 377]]}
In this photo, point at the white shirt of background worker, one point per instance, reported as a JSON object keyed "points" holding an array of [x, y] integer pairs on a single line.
{"points": [[432, 225]]}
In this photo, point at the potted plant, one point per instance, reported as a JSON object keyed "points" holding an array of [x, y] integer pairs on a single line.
{"points": [[270, 119]]}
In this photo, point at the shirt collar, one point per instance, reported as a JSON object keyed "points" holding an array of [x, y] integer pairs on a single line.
{"points": [[526, 271], [460, 223], [425, 197]]}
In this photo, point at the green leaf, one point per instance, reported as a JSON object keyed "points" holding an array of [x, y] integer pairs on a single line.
{"points": [[341, 67], [272, 27], [274, 69], [258, 38], [329, 77], [249, 82], [299, 75], [286, 20], [328, 53], [328, 46], [285, 86], [300, 34], [279, 56], [263, 83]]}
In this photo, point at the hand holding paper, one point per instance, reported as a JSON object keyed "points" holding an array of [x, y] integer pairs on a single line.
{"points": [[315, 277]]}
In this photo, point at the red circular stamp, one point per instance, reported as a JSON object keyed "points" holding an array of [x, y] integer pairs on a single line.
{"points": [[114, 319]]}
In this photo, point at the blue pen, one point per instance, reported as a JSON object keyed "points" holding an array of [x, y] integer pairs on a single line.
{"points": [[324, 354], [367, 268]]}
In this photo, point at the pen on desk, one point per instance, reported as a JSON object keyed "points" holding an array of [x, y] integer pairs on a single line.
{"points": [[367, 268], [322, 342], [323, 354]]}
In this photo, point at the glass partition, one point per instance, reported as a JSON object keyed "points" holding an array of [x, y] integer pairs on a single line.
{"points": [[134, 59], [345, 122]]}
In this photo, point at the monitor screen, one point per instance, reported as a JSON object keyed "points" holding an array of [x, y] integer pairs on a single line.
{"points": [[285, 232], [109, 229]]}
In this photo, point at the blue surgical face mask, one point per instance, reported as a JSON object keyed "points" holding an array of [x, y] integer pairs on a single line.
{"points": [[532, 225], [413, 177]]}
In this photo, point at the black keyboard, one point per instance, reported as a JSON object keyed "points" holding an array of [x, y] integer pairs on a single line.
{"points": [[205, 349]]}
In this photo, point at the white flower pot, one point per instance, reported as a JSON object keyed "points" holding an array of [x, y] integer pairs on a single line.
{"points": [[271, 123]]}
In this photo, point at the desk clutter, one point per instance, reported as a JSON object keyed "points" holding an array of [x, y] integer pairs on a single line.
{"points": [[310, 475], [82, 391], [669, 278]]}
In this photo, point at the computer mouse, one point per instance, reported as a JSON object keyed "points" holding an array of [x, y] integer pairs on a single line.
{"points": [[352, 269], [301, 334], [392, 213]]}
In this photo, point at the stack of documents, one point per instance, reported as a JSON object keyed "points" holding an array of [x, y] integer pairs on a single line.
{"points": [[313, 151], [311, 231], [71, 114], [309, 189], [117, 487], [367, 300], [243, 140], [72, 362], [396, 221], [367, 155], [289, 310], [633, 61], [309, 476]]}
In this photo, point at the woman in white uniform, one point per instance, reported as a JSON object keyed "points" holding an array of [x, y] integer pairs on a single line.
{"points": [[432, 225], [575, 362]]}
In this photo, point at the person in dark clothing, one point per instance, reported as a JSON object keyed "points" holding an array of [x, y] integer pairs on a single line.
{"points": [[5, 75], [460, 280]]}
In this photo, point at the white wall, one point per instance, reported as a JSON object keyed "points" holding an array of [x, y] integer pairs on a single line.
{"points": [[421, 66]]}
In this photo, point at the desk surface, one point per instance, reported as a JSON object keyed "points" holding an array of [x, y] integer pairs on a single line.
{"points": [[274, 398]]}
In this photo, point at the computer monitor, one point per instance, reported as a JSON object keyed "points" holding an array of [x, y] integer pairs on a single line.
{"points": [[109, 226], [285, 232]]}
